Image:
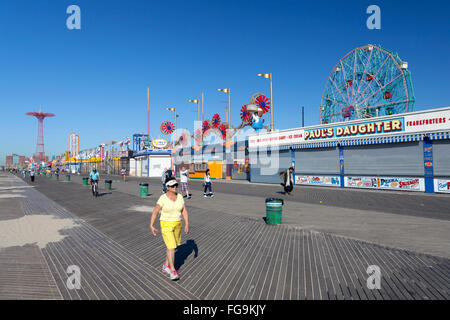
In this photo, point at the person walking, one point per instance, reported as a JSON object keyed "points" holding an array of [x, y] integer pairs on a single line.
{"points": [[32, 175], [172, 207], [163, 180], [207, 185], [123, 172], [169, 174], [184, 177], [23, 174], [288, 180]]}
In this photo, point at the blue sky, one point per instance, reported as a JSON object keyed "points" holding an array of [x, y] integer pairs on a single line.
{"points": [[95, 79]]}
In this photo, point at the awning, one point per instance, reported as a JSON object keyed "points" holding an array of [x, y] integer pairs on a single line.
{"points": [[439, 135], [324, 144], [384, 139]]}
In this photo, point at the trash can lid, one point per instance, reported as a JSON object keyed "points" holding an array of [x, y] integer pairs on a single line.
{"points": [[143, 184], [275, 199], [108, 181]]}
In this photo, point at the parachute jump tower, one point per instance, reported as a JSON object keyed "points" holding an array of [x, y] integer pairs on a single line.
{"points": [[39, 156]]}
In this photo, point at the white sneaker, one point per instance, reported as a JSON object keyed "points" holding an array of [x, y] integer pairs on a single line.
{"points": [[211, 195], [204, 196], [166, 269], [174, 275]]}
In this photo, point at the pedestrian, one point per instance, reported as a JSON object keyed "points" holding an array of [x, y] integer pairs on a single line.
{"points": [[23, 174], [172, 207], [169, 173], [184, 177], [288, 180], [32, 176], [123, 172], [207, 185], [163, 180]]}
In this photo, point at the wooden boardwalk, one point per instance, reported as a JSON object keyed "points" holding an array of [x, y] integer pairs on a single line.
{"points": [[225, 257]]}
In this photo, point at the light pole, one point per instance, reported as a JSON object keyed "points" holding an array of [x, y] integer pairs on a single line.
{"points": [[228, 154], [148, 113], [197, 101], [174, 110], [229, 105], [269, 76]]}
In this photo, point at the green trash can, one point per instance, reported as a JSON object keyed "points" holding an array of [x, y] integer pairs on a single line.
{"points": [[68, 177], [143, 189], [85, 181], [44, 174], [108, 184], [50, 175], [57, 176], [274, 211]]}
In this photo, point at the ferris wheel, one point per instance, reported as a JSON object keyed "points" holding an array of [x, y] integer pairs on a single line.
{"points": [[367, 82]]}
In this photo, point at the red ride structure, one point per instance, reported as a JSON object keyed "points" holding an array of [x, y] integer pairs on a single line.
{"points": [[39, 156]]}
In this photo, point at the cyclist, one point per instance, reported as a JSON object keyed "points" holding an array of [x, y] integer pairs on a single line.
{"points": [[94, 177]]}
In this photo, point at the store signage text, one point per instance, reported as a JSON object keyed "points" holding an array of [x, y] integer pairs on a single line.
{"points": [[355, 129]]}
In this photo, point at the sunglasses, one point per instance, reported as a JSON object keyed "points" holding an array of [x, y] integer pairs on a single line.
{"points": [[174, 186]]}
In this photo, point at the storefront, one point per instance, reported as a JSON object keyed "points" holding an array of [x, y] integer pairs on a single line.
{"points": [[215, 158], [408, 151], [150, 163]]}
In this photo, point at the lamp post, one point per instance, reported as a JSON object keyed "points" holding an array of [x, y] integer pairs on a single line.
{"points": [[174, 110], [229, 105], [269, 76], [197, 101], [228, 154], [148, 113]]}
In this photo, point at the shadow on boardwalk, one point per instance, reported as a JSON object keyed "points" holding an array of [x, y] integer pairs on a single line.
{"points": [[184, 251]]}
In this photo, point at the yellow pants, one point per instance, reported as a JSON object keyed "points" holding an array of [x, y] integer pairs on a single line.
{"points": [[171, 233]]}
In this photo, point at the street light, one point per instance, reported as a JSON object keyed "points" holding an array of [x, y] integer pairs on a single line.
{"points": [[269, 76], [229, 105], [174, 110], [228, 155], [197, 101]]}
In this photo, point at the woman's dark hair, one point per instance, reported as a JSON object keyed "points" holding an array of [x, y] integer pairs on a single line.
{"points": [[168, 179], [207, 171]]}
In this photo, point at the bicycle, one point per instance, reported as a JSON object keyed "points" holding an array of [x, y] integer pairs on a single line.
{"points": [[94, 187]]}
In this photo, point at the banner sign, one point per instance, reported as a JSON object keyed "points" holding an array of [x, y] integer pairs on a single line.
{"points": [[276, 138], [442, 185], [392, 183], [318, 180], [414, 122]]}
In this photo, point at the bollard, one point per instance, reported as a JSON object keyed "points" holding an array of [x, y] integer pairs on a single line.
{"points": [[68, 177], [274, 210], [143, 189], [85, 181], [108, 184]]}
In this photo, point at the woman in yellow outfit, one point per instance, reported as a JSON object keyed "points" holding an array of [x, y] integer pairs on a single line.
{"points": [[171, 205]]}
